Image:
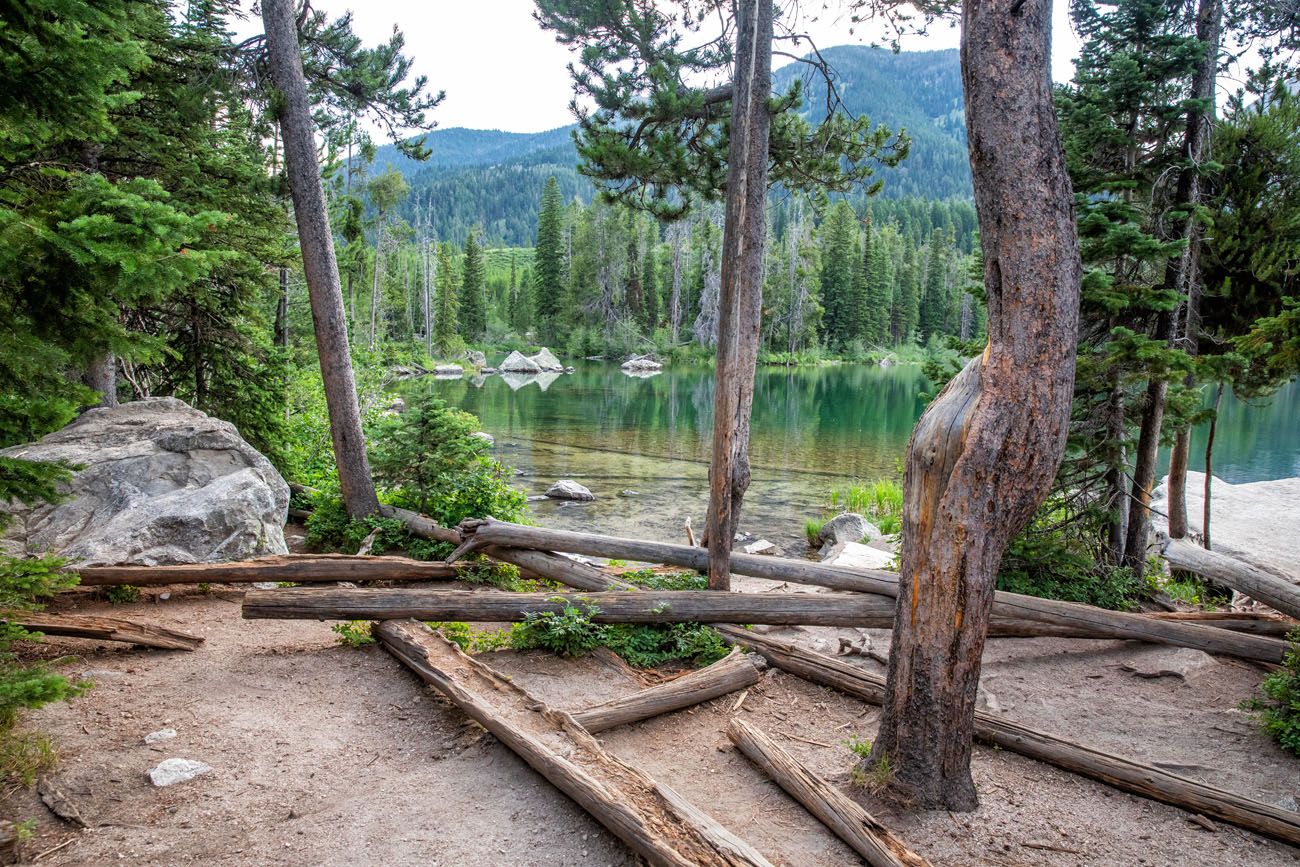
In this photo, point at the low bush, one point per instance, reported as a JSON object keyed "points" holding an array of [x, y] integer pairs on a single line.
{"points": [[1278, 709]]}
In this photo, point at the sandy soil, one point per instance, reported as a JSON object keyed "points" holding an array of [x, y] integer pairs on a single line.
{"points": [[324, 755]]}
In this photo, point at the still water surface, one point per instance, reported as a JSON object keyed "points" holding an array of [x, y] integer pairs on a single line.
{"points": [[813, 428]]}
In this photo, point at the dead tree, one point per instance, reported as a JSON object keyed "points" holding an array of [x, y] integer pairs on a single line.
{"points": [[986, 451], [741, 299], [319, 265]]}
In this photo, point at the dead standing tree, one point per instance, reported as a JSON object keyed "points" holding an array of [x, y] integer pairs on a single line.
{"points": [[985, 452]]}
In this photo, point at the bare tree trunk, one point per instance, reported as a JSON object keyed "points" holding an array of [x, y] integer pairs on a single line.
{"points": [[374, 285], [741, 301], [985, 453], [1116, 481], [1209, 468], [101, 376], [675, 300], [319, 266]]}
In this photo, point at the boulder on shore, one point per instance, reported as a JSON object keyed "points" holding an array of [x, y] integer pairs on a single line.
{"points": [[161, 483], [641, 364], [516, 362], [568, 489], [476, 359], [847, 527], [546, 360]]}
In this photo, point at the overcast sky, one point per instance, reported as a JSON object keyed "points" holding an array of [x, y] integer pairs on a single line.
{"points": [[502, 71]]}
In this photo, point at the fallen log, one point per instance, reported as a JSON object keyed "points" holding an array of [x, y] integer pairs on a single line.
{"points": [[104, 629], [850, 822], [563, 569], [736, 671], [1130, 776], [655, 821], [419, 525], [490, 606], [298, 568], [1273, 590], [1013, 606], [1237, 621]]}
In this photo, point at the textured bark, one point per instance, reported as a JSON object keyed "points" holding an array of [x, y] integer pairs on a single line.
{"points": [[319, 266], [1273, 590], [652, 819], [490, 606], [736, 671], [300, 568], [104, 629], [741, 300], [101, 376], [844, 816], [985, 452], [997, 731]]}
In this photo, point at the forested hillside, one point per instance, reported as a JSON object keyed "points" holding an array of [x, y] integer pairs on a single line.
{"points": [[492, 178]]}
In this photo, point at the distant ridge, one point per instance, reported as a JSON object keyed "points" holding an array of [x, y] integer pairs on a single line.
{"points": [[494, 178]]}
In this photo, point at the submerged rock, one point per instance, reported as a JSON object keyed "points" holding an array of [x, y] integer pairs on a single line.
{"points": [[545, 360], [161, 483], [568, 489], [516, 362]]}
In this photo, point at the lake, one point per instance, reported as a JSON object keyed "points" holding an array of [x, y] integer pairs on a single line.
{"points": [[813, 428]]}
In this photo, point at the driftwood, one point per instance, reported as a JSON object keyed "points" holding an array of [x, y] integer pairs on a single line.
{"points": [[1130, 776], [104, 629], [490, 606], [736, 671], [852, 824], [651, 818], [1273, 590], [1104, 623], [298, 568]]}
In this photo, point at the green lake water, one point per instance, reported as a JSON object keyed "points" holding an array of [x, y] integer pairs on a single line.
{"points": [[812, 428]]}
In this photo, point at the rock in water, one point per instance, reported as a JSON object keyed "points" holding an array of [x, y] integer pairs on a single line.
{"points": [[161, 483], [641, 364], [476, 359], [445, 370], [545, 360], [847, 527], [517, 363], [169, 772], [568, 489]]}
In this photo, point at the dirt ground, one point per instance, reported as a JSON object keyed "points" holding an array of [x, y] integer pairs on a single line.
{"points": [[325, 755]]}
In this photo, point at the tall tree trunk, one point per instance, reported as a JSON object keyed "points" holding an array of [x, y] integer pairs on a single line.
{"points": [[101, 376], [1209, 467], [741, 299], [675, 299], [1200, 120], [282, 311], [374, 286], [984, 454], [319, 265], [1182, 274]]}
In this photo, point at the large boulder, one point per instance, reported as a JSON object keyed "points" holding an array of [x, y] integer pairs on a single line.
{"points": [[568, 489], [160, 483], [476, 359], [546, 360], [847, 527], [518, 363], [641, 364]]}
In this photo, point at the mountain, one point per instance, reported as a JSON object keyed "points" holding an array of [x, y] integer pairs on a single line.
{"points": [[494, 179]]}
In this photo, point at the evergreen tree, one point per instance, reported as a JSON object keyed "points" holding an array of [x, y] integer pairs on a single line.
{"points": [[548, 268], [839, 270], [878, 295], [446, 328], [473, 303], [650, 278]]}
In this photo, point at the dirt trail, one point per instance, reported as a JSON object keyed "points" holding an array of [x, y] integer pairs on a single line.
{"points": [[324, 755]]}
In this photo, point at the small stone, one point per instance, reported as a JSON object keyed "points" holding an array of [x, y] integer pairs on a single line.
{"points": [[169, 772], [264, 585], [159, 736], [762, 546], [568, 489], [101, 674], [628, 492], [1182, 662], [1288, 802]]}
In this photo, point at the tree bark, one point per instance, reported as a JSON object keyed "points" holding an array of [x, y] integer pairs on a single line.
{"points": [[1273, 590], [735, 671], [1124, 774], [491, 606], [844, 816], [101, 376], [319, 265], [104, 629], [985, 453], [652, 819], [741, 300], [299, 568]]}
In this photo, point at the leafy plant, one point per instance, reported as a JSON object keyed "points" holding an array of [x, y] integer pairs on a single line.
{"points": [[568, 632], [354, 633], [122, 594], [647, 645], [1278, 710]]}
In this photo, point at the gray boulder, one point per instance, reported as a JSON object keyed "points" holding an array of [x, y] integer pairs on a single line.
{"points": [[446, 370], [547, 361], [568, 489], [518, 363], [476, 359], [161, 483], [641, 364], [847, 527]]}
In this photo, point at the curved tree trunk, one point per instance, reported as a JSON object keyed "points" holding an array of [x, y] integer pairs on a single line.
{"points": [[985, 452], [741, 300], [101, 376], [319, 265]]}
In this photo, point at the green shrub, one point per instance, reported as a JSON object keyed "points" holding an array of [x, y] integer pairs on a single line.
{"points": [[647, 645], [1048, 563], [1278, 711], [122, 594], [569, 632], [354, 633], [22, 584]]}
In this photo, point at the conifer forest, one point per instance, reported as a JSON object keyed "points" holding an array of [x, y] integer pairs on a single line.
{"points": [[897, 401]]}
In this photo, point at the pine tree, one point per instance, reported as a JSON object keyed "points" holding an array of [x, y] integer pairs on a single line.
{"points": [[548, 268], [877, 295], [447, 323], [838, 236], [650, 278], [473, 303]]}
